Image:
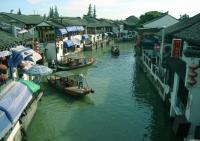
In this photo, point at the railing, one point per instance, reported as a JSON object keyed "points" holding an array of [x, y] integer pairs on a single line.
{"points": [[153, 70]]}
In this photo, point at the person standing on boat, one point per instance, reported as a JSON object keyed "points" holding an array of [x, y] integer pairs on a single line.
{"points": [[80, 81]]}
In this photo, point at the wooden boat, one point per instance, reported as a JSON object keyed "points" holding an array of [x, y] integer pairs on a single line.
{"points": [[74, 63], [115, 50], [69, 84]]}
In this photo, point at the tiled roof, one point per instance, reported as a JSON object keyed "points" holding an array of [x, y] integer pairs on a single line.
{"points": [[68, 21], [93, 22], [190, 34], [182, 25], [26, 19], [7, 40]]}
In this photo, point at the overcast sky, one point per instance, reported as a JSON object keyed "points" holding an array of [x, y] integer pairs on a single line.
{"points": [[111, 9]]}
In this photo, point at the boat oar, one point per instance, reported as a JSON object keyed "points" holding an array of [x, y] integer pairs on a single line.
{"points": [[92, 91]]}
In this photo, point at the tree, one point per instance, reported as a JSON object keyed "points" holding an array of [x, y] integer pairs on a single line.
{"points": [[51, 13], [148, 16], [56, 15], [94, 12], [19, 12], [44, 16], [90, 11], [184, 17], [11, 11]]}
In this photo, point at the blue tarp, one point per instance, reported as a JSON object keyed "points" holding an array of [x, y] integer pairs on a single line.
{"points": [[18, 55], [5, 124], [15, 101], [68, 43], [85, 37], [60, 31]]}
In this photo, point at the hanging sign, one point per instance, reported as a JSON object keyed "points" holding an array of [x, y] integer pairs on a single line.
{"points": [[176, 47]]}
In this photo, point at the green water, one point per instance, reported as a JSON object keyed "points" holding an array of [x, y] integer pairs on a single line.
{"points": [[124, 107]]}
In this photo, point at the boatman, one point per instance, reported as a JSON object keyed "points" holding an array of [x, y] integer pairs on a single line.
{"points": [[80, 81]]}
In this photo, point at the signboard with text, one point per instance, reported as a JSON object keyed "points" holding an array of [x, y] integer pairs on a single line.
{"points": [[176, 47]]}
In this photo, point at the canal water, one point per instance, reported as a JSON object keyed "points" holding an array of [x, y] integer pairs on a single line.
{"points": [[124, 107]]}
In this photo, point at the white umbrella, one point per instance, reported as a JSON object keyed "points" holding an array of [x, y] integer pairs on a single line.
{"points": [[5, 53], [39, 70]]}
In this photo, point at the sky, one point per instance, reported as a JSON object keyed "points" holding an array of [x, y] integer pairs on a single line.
{"points": [[110, 9]]}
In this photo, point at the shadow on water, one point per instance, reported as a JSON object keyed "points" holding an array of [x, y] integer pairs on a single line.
{"points": [[160, 128], [124, 106]]}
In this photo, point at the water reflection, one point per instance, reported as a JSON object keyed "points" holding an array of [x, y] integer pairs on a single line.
{"points": [[160, 125]]}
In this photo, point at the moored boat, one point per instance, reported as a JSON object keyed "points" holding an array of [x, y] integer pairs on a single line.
{"points": [[74, 63], [69, 84]]}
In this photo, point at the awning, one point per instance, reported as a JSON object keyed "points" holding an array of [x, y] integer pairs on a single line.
{"points": [[5, 124], [80, 28], [31, 85], [76, 41], [85, 37], [15, 100], [22, 53], [60, 31], [74, 28], [71, 28], [67, 43]]}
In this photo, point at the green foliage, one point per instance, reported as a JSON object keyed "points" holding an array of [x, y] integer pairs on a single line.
{"points": [[89, 11], [184, 17], [19, 12], [148, 16], [53, 12], [94, 14], [56, 15]]}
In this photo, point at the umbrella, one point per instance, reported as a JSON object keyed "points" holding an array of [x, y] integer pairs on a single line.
{"points": [[39, 70], [5, 53]]}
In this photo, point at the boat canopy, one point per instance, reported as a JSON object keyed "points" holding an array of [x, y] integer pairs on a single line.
{"points": [[61, 31], [68, 43], [31, 85], [15, 99], [5, 124]]}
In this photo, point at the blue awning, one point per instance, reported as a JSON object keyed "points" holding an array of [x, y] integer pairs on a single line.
{"points": [[74, 28], [71, 28], [68, 43], [60, 31], [85, 37], [80, 28]]}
